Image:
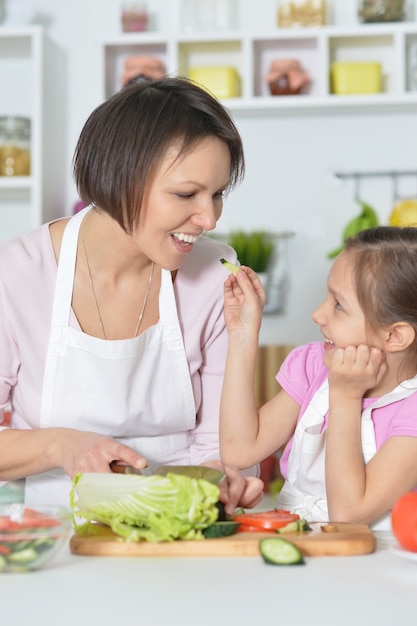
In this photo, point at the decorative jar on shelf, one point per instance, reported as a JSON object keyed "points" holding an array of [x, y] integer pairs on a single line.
{"points": [[14, 146], [287, 77], [371, 11], [302, 13]]}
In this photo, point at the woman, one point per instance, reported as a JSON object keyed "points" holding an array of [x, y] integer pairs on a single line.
{"points": [[111, 324]]}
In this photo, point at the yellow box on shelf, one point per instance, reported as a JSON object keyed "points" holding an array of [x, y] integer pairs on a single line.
{"points": [[360, 77], [222, 81]]}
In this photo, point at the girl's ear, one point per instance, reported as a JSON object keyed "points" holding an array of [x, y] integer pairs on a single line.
{"points": [[400, 336]]}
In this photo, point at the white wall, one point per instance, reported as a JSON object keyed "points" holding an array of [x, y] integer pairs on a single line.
{"points": [[289, 158]]}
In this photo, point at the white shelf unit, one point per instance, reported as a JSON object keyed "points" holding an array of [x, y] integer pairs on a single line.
{"points": [[23, 53], [316, 49]]}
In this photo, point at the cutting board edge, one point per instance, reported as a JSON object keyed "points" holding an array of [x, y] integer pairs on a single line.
{"points": [[361, 541]]}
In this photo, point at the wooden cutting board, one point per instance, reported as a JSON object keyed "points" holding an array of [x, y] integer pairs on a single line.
{"points": [[322, 540]]}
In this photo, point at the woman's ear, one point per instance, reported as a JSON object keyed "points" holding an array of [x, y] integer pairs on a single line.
{"points": [[400, 336]]}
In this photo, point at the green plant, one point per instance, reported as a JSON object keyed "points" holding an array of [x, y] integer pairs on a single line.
{"points": [[254, 249], [367, 218]]}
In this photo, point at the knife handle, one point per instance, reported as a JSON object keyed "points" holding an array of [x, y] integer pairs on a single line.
{"points": [[121, 468]]}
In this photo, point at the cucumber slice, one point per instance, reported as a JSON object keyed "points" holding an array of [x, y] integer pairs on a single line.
{"points": [[292, 527], [23, 556], [299, 526], [220, 529], [280, 551]]}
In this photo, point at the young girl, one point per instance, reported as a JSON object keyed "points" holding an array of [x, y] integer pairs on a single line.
{"points": [[348, 405]]}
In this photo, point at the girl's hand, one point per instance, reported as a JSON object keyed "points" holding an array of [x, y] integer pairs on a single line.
{"points": [[244, 300], [91, 452], [237, 490], [354, 370]]}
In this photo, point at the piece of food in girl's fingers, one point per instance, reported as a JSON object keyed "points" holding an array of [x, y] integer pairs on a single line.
{"points": [[265, 520], [233, 269]]}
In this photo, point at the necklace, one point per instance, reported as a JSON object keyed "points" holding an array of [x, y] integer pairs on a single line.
{"points": [[93, 291]]}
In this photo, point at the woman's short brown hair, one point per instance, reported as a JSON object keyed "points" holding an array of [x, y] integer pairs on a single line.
{"points": [[125, 137]]}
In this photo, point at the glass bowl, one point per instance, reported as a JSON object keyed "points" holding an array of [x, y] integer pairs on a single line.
{"points": [[30, 537]]}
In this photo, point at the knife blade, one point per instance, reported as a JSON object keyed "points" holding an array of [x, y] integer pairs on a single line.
{"points": [[192, 471]]}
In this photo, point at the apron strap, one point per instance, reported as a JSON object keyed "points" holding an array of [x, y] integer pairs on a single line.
{"points": [[404, 390], [66, 268]]}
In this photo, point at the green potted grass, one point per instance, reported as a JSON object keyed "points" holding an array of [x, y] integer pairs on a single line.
{"points": [[261, 250], [255, 249]]}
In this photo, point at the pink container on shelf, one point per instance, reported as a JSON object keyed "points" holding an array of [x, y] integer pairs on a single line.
{"points": [[135, 17]]}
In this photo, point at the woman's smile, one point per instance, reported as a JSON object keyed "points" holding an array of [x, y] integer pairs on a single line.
{"points": [[184, 242]]}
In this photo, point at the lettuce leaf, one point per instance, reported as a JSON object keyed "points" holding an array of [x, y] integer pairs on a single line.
{"points": [[144, 508]]}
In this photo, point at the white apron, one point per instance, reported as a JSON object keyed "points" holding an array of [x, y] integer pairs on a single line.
{"points": [[136, 390], [304, 491]]}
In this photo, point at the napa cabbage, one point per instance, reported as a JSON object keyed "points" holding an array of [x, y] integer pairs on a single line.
{"points": [[144, 508]]}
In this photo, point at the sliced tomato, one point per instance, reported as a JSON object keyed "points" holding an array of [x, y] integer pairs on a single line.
{"points": [[246, 528], [29, 520], [265, 520]]}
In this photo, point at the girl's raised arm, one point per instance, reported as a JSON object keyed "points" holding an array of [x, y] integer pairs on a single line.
{"points": [[248, 435]]}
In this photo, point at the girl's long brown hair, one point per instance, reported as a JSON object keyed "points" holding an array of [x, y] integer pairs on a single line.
{"points": [[385, 274]]}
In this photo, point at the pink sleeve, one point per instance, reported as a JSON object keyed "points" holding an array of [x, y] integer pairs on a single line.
{"points": [[300, 369], [27, 280], [395, 420]]}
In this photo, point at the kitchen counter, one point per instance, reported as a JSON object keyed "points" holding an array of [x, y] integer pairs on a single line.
{"points": [[213, 591]]}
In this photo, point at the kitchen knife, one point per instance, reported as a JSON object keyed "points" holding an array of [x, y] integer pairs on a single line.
{"points": [[192, 471]]}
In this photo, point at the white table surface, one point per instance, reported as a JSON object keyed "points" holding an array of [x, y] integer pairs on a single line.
{"points": [[378, 589]]}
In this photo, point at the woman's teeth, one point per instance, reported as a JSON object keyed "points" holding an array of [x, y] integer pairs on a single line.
{"points": [[187, 238], [329, 342]]}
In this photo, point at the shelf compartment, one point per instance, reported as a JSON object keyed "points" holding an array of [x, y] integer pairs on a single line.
{"points": [[115, 55], [198, 53], [379, 48], [306, 50]]}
